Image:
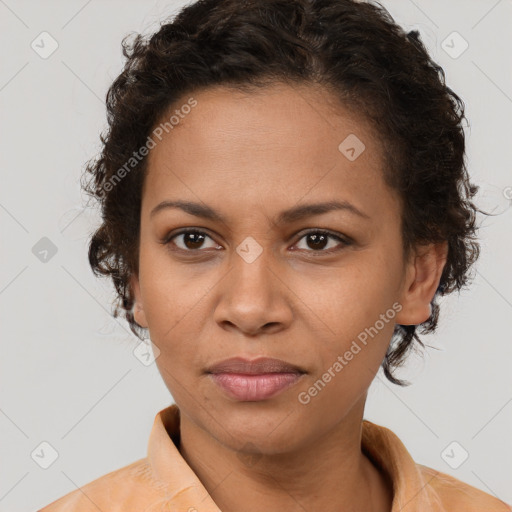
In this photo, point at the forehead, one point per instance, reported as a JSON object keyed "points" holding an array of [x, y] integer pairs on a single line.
{"points": [[281, 143]]}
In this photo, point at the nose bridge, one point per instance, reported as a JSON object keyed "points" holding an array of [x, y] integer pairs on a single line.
{"points": [[251, 262]]}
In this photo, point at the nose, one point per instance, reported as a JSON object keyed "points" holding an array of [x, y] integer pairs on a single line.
{"points": [[253, 297]]}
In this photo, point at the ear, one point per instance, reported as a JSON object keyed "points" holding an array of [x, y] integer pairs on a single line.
{"points": [[423, 275], [138, 310]]}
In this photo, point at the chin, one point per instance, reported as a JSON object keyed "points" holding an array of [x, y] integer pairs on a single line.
{"points": [[260, 427]]}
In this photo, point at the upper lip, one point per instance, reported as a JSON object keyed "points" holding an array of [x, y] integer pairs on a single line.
{"points": [[260, 365]]}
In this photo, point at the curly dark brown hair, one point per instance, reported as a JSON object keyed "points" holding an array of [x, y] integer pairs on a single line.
{"points": [[354, 50]]}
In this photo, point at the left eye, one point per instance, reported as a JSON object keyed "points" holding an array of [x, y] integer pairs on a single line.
{"points": [[318, 240]]}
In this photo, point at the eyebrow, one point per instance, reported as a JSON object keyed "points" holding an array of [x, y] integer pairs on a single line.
{"points": [[287, 216]]}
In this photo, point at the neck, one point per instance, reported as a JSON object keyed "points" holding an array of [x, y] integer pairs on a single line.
{"points": [[330, 473]]}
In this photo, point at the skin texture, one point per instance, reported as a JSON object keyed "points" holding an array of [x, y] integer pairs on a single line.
{"points": [[249, 157]]}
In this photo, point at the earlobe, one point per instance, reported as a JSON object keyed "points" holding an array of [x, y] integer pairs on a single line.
{"points": [[138, 309], [423, 277]]}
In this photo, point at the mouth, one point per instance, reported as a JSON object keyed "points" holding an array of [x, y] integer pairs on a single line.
{"points": [[254, 380]]}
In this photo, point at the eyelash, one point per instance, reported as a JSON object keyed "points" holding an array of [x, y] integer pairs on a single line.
{"points": [[345, 241]]}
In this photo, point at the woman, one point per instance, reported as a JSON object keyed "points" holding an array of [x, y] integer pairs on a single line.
{"points": [[284, 198]]}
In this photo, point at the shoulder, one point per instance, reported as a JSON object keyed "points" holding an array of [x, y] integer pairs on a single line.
{"points": [[456, 495], [129, 488], [413, 482]]}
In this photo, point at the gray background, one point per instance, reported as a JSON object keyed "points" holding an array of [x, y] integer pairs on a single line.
{"points": [[68, 373]]}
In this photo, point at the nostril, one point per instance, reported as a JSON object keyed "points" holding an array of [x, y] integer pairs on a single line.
{"points": [[270, 325]]}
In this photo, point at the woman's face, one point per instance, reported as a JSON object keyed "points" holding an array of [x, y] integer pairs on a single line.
{"points": [[258, 283]]}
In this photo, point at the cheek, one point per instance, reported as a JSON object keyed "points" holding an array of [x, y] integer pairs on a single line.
{"points": [[358, 319], [177, 307], [342, 301], [171, 293], [349, 363]]}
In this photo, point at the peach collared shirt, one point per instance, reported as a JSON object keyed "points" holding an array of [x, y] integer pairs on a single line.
{"points": [[163, 481]]}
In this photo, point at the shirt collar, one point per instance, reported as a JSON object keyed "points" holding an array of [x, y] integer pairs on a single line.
{"points": [[184, 489]]}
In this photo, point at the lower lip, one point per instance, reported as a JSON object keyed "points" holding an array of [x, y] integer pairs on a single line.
{"points": [[253, 388]]}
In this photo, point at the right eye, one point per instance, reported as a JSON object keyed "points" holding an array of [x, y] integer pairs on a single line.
{"points": [[188, 240]]}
